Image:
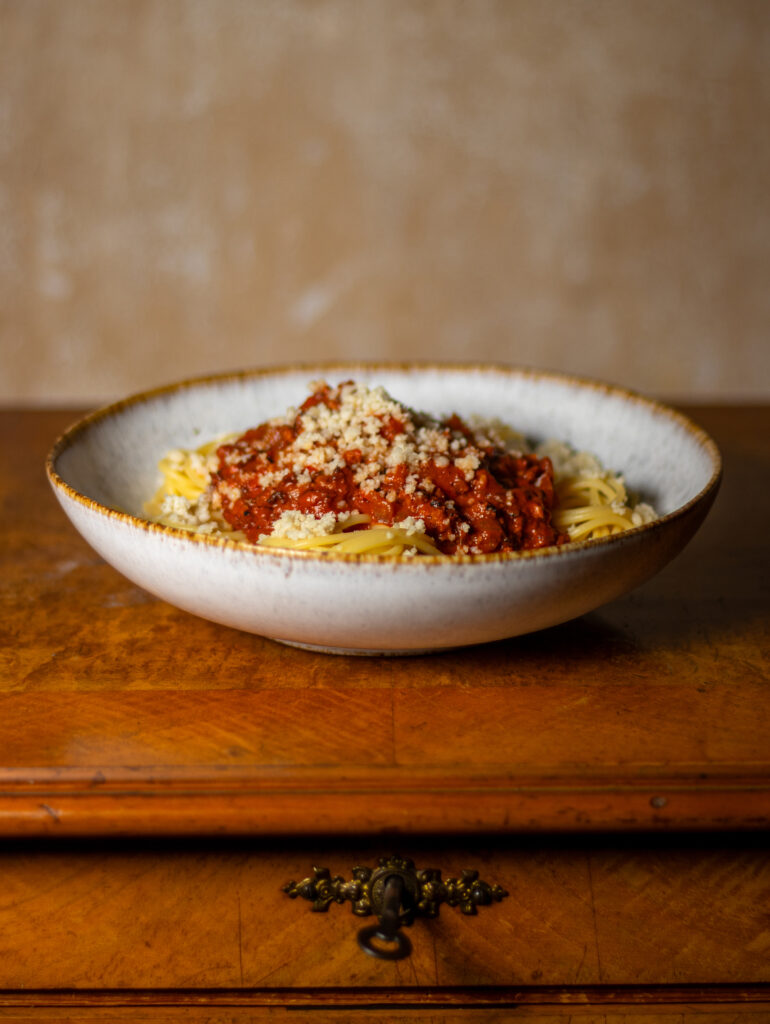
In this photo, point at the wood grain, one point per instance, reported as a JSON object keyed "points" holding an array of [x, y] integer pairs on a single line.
{"points": [[567, 766], [212, 916], [122, 715], [735, 1013]]}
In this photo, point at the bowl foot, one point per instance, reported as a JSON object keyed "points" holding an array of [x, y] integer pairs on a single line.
{"points": [[361, 651]]}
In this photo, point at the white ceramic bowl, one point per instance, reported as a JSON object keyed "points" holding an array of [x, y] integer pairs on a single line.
{"points": [[104, 468]]}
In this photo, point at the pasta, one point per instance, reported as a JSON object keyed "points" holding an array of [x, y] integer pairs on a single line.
{"points": [[593, 502], [354, 472]]}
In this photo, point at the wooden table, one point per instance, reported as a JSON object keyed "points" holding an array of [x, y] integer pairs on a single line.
{"points": [[163, 777]]}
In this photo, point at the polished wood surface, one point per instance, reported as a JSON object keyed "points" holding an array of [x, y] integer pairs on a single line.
{"points": [[122, 715], [375, 1011], [612, 774]]}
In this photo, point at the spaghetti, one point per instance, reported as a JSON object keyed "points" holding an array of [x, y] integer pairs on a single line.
{"points": [[354, 472]]}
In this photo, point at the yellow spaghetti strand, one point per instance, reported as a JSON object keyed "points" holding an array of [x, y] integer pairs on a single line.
{"points": [[592, 507]]}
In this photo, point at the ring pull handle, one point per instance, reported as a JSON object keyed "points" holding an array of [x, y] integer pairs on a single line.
{"points": [[388, 927]]}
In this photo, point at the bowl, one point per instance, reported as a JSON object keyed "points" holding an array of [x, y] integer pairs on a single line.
{"points": [[104, 468]]}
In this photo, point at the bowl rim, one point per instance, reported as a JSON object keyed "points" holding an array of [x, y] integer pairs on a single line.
{"points": [[72, 433]]}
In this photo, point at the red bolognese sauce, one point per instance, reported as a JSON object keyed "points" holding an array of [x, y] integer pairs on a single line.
{"points": [[351, 449]]}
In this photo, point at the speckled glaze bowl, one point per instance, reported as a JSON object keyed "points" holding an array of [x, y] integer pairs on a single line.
{"points": [[104, 468]]}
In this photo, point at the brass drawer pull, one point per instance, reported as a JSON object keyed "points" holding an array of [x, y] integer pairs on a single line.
{"points": [[396, 893]]}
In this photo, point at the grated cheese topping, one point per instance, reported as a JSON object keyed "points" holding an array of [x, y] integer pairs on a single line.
{"points": [[295, 525], [352, 433]]}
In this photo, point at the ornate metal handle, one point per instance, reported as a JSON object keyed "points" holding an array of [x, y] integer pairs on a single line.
{"points": [[397, 893]]}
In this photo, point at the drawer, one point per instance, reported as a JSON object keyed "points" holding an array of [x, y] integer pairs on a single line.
{"points": [[580, 912]]}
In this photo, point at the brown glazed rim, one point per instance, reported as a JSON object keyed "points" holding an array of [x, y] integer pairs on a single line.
{"points": [[70, 436]]}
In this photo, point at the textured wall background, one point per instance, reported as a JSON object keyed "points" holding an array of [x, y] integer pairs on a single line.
{"points": [[199, 185]]}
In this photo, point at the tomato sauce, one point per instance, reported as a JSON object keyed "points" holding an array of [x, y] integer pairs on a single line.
{"points": [[503, 504]]}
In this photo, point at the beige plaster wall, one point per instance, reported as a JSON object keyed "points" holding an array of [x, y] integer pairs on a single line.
{"points": [[190, 186]]}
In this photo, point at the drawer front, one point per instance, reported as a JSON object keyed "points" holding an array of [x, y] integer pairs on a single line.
{"points": [[202, 916]]}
